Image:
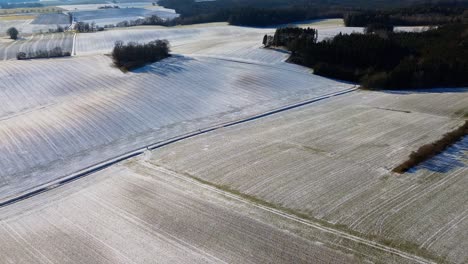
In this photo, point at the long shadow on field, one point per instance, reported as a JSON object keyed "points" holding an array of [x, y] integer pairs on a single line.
{"points": [[428, 91], [452, 158], [173, 64]]}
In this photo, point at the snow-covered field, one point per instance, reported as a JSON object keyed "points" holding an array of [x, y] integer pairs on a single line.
{"points": [[213, 39], [329, 160], [133, 213], [332, 160], [52, 19], [207, 39], [25, 27], [113, 16], [59, 116], [33, 43]]}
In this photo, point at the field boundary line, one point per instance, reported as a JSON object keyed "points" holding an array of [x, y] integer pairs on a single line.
{"points": [[133, 153], [339, 233]]}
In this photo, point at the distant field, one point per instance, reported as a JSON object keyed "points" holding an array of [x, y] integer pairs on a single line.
{"points": [[146, 5], [214, 39], [8, 50], [25, 27], [332, 161], [52, 19], [46, 9], [112, 16], [17, 17]]}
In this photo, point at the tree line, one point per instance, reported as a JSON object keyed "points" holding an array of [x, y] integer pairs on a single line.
{"points": [[249, 13], [412, 16], [356, 12], [387, 60], [258, 13], [85, 27], [293, 38], [53, 53], [133, 55], [265, 16]]}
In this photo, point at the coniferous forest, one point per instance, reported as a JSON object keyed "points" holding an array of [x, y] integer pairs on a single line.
{"points": [[383, 59], [354, 12]]}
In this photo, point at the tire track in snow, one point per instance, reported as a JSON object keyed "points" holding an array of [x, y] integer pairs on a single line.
{"points": [[37, 43], [49, 42], [5, 54], [441, 232], [21, 48], [338, 233]]}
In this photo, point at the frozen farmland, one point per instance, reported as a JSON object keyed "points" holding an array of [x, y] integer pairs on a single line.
{"points": [[34, 43], [221, 153], [53, 126], [26, 27], [184, 37], [113, 16], [332, 161]]}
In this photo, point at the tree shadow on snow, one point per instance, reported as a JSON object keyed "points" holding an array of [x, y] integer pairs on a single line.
{"points": [[428, 91], [452, 158], [173, 64]]}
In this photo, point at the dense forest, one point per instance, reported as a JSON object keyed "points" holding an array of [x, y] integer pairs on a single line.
{"points": [[266, 17], [387, 60], [274, 12], [249, 13], [411, 16], [133, 55]]}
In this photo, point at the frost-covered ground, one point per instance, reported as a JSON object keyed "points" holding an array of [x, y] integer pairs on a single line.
{"points": [[203, 33], [25, 27], [77, 112], [332, 160], [214, 39], [52, 19], [208, 39], [33, 43], [113, 16], [133, 213], [59, 116]]}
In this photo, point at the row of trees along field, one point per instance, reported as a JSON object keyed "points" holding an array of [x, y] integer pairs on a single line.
{"points": [[133, 55], [384, 59], [85, 27], [53, 53]]}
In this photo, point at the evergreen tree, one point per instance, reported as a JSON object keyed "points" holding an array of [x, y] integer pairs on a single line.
{"points": [[13, 33]]}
